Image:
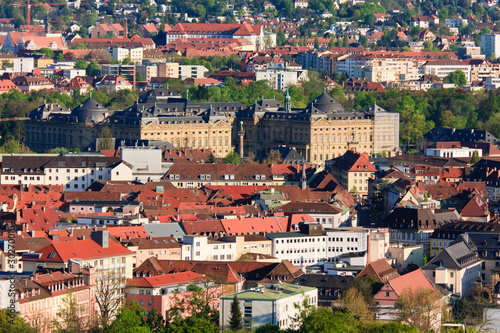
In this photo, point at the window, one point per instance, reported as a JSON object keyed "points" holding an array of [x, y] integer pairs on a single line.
{"points": [[197, 253]]}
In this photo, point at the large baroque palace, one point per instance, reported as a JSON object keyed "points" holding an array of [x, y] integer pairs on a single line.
{"points": [[321, 131]]}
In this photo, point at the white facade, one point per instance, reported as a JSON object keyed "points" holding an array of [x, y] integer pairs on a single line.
{"points": [[197, 247], [22, 65], [276, 305], [146, 163], [442, 70], [303, 249], [453, 152], [112, 220], [72, 178], [281, 78], [192, 71], [492, 83], [490, 43], [135, 54]]}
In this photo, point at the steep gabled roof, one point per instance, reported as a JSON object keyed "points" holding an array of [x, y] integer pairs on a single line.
{"points": [[411, 281], [380, 269]]}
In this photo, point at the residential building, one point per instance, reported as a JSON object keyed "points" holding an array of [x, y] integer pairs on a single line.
{"points": [[197, 247], [456, 268], [75, 173], [169, 290], [386, 298], [114, 83], [313, 244], [281, 78], [403, 256], [380, 270], [378, 245], [453, 134], [112, 262], [253, 33], [323, 213], [43, 296], [105, 30], [275, 305], [443, 67], [412, 226], [352, 170], [146, 163], [135, 54], [330, 287], [453, 152], [490, 44]]}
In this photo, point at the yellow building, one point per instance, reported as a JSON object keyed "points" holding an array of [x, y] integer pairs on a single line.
{"points": [[321, 131]]}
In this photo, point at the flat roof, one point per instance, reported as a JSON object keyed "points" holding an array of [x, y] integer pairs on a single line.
{"points": [[275, 292]]}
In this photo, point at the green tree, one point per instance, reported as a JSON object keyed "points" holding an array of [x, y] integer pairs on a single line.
{"points": [[155, 322], [105, 139], [268, 328], [47, 52], [211, 158], [412, 122], [316, 43], [69, 319], [280, 38], [59, 57], [419, 307], [80, 64], [93, 68], [354, 192], [327, 320], [232, 158], [345, 41], [475, 158], [457, 77], [12, 322], [130, 319], [354, 301], [235, 320]]}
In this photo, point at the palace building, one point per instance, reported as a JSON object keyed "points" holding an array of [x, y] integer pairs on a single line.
{"points": [[321, 131]]}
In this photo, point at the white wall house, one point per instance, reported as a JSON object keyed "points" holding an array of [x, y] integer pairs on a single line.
{"points": [[196, 247], [312, 246], [453, 152], [75, 173], [274, 305]]}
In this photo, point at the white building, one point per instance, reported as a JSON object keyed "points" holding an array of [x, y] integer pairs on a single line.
{"points": [[281, 78], [75, 173], [135, 54], [196, 247], [112, 220], [146, 163], [453, 152], [443, 67], [274, 305], [192, 71], [492, 83], [490, 43], [313, 245]]}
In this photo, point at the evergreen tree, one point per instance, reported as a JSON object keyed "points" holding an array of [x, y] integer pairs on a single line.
{"points": [[155, 321], [475, 158], [235, 322]]}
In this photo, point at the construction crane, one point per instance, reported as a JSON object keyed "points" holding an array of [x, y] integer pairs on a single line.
{"points": [[29, 4]]}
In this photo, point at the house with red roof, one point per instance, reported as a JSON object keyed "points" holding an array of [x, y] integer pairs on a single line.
{"points": [[253, 33], [37, 219], [476, 210], [162, 248], [111, 260], [162, 292], [42, 296], [105, 30], [148, 30], [410, 283], [352, 170], [7, 85], [379, 269]]}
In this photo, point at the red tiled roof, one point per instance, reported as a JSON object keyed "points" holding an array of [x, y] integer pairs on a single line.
{"points": [[252, 225], [84, 249], [165, 280], [124, 232], [411, 281]]}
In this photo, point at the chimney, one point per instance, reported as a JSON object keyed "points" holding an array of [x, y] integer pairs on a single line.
{"points": [[101, 237], [125, 28], [55, 238]]}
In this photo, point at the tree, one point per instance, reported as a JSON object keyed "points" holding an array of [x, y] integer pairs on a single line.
{"points": [[130, 319], [457, 77], [12, 322], [59, 57], [475, 158], [412, 121], [105, 141], [211, 158], [235, 321], [354, 301], [232, 158], [327, 320], [470, 308], [250, 159], [280, 38], [47, 52], [155, 321], [316, 43], [7, 64], [354, 192], [274, 157], [419, 307], [93, 68], [108, 296], [69, 319], [346, 41], [80, 64]]}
